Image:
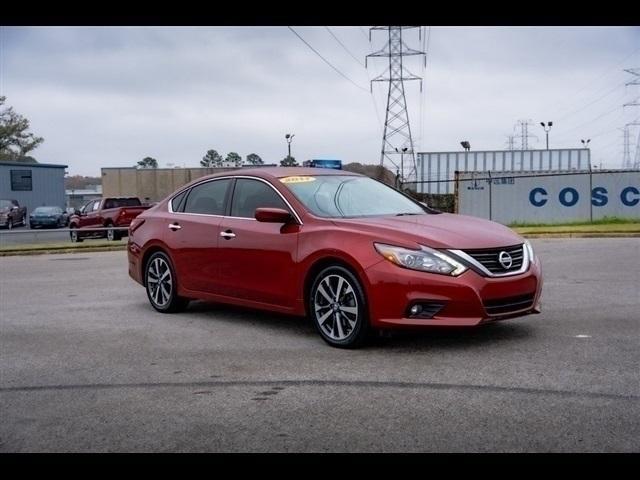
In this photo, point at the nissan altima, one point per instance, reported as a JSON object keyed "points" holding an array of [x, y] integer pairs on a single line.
{"points": [[351, 253]]}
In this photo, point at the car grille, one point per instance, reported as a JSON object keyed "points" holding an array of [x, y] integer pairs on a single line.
{"points": [[509, 304], [489, 258]]}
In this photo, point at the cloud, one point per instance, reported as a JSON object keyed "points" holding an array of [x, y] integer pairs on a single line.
{"points": [[111, 96]]}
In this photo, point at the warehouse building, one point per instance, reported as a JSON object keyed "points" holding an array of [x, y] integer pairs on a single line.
{"points": [[436, 170], [154, 184], [33, 184]]}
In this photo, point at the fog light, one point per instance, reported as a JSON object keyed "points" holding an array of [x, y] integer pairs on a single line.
{"points": [[425, 309]]}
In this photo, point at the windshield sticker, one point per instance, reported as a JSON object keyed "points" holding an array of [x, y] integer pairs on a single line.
{"points": [[297, 179]]}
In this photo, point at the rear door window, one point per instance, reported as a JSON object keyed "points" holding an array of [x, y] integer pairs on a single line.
{"points": [[208, 198]]}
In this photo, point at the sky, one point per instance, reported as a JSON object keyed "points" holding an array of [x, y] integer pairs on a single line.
{"points": [[110, 96]]}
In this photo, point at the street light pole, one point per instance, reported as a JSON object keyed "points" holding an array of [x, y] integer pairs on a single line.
{"points": [[547, 127], [401, 152], [289, 138]]}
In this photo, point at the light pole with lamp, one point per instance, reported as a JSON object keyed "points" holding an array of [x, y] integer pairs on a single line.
{"points": [[401, 152], [547, 127], [289, 138], [585, 143]]}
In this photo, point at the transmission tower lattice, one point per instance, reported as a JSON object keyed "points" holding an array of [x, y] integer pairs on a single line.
{"points": [[626, 155], [397, 142], [524, 133]]}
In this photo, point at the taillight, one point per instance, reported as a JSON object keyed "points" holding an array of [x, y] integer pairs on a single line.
{"points": [[135, 224]]}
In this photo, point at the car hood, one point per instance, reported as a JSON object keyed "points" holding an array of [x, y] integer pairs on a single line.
{"points": [[444, 230], [4, 210]]}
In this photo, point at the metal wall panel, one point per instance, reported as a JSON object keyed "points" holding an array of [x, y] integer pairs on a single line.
{"points": [[436, 170], [47, 186], [538, 197]]}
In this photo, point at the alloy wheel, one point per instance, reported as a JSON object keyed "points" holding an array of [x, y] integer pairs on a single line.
{"points": [[159, 282], [336, 307]]}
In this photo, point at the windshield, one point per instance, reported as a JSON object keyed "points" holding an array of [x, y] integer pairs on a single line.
{"points": [[340, 196], [47, 210], [6, 204]]}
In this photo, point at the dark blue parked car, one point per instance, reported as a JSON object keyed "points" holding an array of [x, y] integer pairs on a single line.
{"points": [[48, 217]]}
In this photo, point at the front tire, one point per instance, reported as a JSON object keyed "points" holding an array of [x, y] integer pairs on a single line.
{"points": [[338, 308], [161, 285]]}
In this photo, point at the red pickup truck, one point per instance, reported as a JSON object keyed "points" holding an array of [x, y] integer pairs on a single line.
{"points": [[107, 212]]}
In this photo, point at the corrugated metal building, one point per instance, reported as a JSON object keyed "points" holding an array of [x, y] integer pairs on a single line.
{"points": [[33, 184], [436, 170]]}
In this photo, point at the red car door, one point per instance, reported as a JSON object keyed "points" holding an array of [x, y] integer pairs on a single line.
{"points": [[257, 260], [192, 232], [91, 217]]}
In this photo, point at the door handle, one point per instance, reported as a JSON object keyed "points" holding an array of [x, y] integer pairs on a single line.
{"points": [[227, 235], [174, 226]]}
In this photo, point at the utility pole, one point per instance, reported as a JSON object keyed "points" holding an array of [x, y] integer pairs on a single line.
{"points": [[397, 130], [524, 133], [626, 155], [510, 142]]}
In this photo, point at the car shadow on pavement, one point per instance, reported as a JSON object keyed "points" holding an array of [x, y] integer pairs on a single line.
{"points": [[401, 339], [246, 315], [452, 337]]}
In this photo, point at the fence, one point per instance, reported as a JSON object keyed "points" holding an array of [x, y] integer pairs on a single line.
{"points": [[544, 197], [436, 170]]}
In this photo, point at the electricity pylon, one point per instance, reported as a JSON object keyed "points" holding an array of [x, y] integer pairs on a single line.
{"points": [[396, 138]]}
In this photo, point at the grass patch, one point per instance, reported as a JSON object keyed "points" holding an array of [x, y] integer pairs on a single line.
{"points": [[582, 228], [599, 221]]}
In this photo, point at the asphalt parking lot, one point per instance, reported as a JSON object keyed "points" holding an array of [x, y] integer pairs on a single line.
{"points": [[87, 365]]}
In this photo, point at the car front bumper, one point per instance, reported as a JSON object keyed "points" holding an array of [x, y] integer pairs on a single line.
{"points": [[466, 300], [44, 222]]}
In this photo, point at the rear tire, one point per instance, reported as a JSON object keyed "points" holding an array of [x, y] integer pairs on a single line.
{"points": [[338, 308], [113, 235], [75, 236], [162, 286]]}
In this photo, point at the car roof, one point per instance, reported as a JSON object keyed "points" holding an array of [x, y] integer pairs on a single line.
{"points": [[273, 173]]}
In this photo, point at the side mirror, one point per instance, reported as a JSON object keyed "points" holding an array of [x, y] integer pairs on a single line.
{"points": [[77, 212], [273, 215]]}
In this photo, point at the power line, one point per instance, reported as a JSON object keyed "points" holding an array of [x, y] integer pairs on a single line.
{"points": [[364, 33], [325, 60], [591, 103], [344, 47], [607, 72], [591, 121]]}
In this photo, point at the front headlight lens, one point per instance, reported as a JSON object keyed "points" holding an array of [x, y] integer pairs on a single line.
{"points": [[529, 248], [426, 259]]}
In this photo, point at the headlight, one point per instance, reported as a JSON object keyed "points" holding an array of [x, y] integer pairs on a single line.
{"points": [[529, 248], [426, 259]]}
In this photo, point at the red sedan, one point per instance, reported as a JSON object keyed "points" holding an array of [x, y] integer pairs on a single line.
{"points": [[350, 252]]}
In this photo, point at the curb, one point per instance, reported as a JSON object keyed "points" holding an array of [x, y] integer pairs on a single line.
{"points": [[582, 235]]}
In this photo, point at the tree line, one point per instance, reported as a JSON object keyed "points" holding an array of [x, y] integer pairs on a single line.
{"points": [[15, 139], [212, 159]]}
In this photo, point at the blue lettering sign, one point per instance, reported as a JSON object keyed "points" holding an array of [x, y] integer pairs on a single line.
{"points": [[625, 194], [538, 202], [599, 197], [563, 197]]}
